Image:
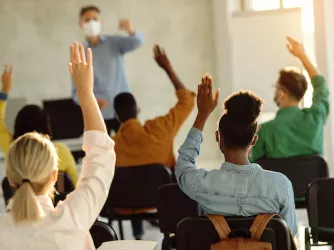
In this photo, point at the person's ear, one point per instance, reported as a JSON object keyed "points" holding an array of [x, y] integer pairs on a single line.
{"points": [[255, 138], [55, 175], [81, 23]]}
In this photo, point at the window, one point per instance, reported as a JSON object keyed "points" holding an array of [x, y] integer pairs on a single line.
{"points": [[259, 5]]}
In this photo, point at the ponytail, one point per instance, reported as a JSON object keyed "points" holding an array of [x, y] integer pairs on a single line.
{"points": [[31, 162], [25, 205]]}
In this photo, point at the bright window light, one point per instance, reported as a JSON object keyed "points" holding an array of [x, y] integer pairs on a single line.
{"points": [[259, 5]]}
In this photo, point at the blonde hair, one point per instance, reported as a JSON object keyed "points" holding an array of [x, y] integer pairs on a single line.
{"points": [[32, 158]]}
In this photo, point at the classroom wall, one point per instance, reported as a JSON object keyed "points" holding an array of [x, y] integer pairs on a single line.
{"points": [[35, 35]]}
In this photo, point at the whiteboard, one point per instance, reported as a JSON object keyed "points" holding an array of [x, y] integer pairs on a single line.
{"points": [[259, 50]]}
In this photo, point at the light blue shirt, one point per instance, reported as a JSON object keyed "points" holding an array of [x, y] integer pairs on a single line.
{"points": [[109, 74], [234, 190]]}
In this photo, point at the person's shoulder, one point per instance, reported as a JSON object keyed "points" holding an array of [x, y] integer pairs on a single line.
{"points": [[276, 177], [61, 146]]}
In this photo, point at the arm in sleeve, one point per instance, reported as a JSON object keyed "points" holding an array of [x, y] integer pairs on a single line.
{"points": [[86, 201], [187, 175], [67, 162], [170, 123], [129, 43], [320, 105], [288, 210], [6, 137], [258, 150]]}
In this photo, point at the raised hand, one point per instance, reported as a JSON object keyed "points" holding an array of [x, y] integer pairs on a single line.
{"points": [[161, 57], [295, 47], [206, 101], [80, 69], [7, 78], [127, 26]]}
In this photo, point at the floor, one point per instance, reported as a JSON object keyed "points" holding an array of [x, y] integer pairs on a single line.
{"points": [[154, 234]]}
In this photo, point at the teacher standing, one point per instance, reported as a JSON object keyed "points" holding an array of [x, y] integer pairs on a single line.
{"points": [[108, 50]]}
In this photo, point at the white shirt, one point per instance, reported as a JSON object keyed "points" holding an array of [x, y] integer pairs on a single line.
{"points": [[67, 226]]}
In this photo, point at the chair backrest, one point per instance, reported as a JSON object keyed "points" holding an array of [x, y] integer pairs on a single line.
{"points": [[173, 205], [7, 190], [65, 118], [136, 187], [301, 170], [14, 105], [199, 233], [320, 209], [102, 232]]}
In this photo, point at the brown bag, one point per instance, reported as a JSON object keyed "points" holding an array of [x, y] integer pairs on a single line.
{"points": [[241, 243]]}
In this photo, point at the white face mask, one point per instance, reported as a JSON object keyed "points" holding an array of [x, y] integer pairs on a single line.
{"points": [[92, 28]]}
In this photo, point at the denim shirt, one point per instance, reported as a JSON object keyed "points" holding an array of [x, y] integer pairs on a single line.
{"points": [[109, 73], [234, 190]]}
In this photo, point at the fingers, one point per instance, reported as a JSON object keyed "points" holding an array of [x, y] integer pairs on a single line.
{"points": [[70, 67], [90, 57], [291, 40], [10, 69], [157, 50], [76, 53], [6, 68], [72, 57], [289, 47], [82, 54], [216, 97]]}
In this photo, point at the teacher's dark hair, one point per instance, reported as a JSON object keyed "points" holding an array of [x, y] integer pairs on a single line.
{"points": [[87, 8]]}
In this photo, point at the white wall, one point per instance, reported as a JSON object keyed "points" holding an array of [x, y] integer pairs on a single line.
{"points": [[37, 35]]}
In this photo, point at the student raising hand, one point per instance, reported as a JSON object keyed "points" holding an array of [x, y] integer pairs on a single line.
{"points": [[206, 101], [7, 79]]}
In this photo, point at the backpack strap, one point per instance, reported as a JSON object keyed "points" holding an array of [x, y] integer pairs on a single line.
{"points": [[259, 225], [221, 226]]}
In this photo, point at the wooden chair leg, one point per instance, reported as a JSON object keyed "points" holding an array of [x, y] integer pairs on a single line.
{"points": [[121, 232]]}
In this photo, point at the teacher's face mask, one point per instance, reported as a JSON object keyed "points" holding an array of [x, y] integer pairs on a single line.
{"points": [[92, 28]]}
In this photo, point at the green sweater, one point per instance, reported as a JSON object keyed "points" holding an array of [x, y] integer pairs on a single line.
{"points": [[295, 131]]}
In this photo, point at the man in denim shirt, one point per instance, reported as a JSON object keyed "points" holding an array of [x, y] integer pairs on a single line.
{"points": [[109, 77], [239, 188]]}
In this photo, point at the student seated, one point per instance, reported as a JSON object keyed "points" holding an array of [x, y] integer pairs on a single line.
{"points": [[295, 131], [31, 221], [31, 118], [238, 188], [152, 142]]}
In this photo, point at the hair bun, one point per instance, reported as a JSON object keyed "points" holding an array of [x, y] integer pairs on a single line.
{"points": [[243, 107]]}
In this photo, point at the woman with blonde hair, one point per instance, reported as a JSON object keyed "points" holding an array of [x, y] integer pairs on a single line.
{"points": [[31, 221]]}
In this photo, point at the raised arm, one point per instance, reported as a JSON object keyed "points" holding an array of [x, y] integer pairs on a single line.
{"points": [[87, 200], [170, 123], [131, 42], [320, 105], [5, 136], [188, 176]]}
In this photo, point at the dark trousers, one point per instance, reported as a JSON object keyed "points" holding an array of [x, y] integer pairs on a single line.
{"points": [[112, 125]]}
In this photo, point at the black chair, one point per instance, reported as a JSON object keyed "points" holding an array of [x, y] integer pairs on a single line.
{"points": [[66, 121], [301, 170], [135, 188], [102, 232], [64, 185], [320, 213], [199, 233], [173, 206]]}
